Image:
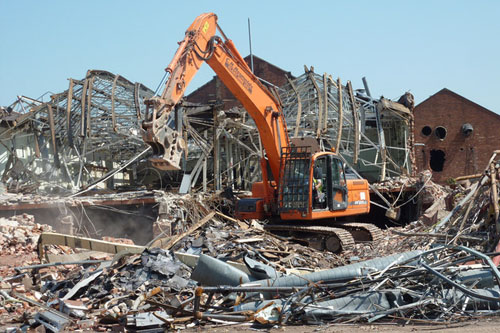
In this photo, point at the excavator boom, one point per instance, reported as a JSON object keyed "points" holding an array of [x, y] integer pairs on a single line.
{"points": [[289, 194], [202, 45]]}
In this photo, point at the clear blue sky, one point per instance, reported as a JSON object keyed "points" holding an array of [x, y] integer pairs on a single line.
{"points": [[421, 46]]}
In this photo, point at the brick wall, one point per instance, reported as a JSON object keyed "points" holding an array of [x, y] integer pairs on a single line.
{"points": [[463, 155]]}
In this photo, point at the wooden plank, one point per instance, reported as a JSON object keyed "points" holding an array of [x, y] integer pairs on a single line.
{"points": [[477, 175], [249, 240], [241, 224]]}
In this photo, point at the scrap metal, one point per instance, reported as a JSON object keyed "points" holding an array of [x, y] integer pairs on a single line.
{"points": [[98, 119], [71, 139], [373, 135], [238, 273]]}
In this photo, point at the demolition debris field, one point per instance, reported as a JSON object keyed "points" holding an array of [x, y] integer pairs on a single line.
{"points": [[221, 273], [101, 232]]}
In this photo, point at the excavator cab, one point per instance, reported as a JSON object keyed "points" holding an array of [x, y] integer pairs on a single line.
{"points": [[311, 184], [329, 191]]}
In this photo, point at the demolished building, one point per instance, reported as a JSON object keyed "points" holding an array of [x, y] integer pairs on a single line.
{"points": [[203, 264], [66, 144], [75, 140], [373, 135], [88, 138], [223, 272]]}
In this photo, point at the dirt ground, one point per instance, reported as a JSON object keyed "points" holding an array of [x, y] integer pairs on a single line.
{"points": [[490, 324]]}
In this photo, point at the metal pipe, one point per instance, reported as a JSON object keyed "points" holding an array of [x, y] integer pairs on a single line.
{"points": [[460, 287], [351, 271], [250, 43]]}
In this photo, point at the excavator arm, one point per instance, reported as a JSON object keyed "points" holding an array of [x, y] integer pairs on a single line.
{"points": [[202, 45], [293, 200]]}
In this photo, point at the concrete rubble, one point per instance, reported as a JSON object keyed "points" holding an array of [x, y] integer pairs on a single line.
{"points": [[223, 271]]}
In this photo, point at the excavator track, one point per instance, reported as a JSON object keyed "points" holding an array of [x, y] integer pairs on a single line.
{"points": [[321, 238], [362, 232]]}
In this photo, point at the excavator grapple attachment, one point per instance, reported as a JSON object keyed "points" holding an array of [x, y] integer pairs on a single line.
{"points": [[167, 145]]}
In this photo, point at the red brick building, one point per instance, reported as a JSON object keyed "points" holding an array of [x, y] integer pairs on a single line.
{"points": [[454, 136], [214, 90]]}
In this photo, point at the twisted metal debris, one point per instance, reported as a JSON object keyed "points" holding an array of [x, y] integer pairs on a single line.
{"points": [[77, 136], [216, 270], [374, 135]]}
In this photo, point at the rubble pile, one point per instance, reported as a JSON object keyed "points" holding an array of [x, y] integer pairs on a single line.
{"points": [[473, 220], [154, 290], [208, 268], [18, 240], [233, 242], [227, 238], [19, 237], [411, 286]]}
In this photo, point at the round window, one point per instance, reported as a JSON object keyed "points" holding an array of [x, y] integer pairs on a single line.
{"points": [[426, 130], [440, 132]]}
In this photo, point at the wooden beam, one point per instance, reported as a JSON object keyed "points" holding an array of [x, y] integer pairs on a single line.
{"points": [[113, 91], [137, 101], [320, 103], [325, 104], [68, 112], [83, 99], [477, 175], [88, 125], [494, 195], [53, 134]]}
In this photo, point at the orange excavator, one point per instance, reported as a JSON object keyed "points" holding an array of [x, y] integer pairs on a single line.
{"points": [[303, 191]]}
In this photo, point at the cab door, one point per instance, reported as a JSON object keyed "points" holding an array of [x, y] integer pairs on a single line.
{"points": [[336, 184]]}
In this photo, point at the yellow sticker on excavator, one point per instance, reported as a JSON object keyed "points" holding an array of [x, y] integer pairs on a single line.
{"points": [[205, 27]]}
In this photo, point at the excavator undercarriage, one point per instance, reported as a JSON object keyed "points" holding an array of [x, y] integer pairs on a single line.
{"points": [[341, 236]]}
